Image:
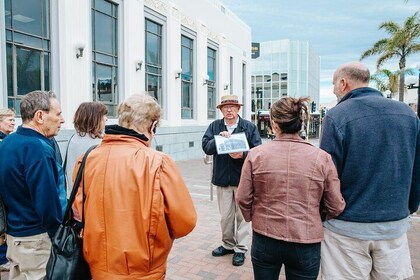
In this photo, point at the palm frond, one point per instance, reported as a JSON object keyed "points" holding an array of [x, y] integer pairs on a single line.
{"points": [[380, 84], [385, 79], [390, 27], [384, 58], [377, 48], [411, 20], [385, 72], [412, 49]]}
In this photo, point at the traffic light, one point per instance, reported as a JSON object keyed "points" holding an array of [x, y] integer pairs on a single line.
{"points": [[313, 106], [323, 112]]}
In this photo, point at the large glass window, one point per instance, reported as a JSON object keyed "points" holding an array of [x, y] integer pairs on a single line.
{"points": [[27, 48], [105, 54], [187, 48], [153, 49], [211, 83]]}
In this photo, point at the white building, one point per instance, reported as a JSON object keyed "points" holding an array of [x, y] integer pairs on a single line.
{"points": [[284, 68], [185, 53]]}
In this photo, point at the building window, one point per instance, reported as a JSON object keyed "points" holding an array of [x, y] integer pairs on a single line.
{"points": [[211, 84], [153, 49], [28, 51], [105, 54], [187, 45]]}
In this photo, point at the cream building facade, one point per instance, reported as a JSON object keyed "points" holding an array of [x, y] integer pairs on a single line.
{"points": [[185, 53]]}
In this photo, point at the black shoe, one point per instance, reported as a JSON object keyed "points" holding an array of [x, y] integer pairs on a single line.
{"points": [[221, 251], [238, 259]]}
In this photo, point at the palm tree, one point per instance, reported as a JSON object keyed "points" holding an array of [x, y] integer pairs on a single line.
{"points": [[402, 42], [386, 80]]}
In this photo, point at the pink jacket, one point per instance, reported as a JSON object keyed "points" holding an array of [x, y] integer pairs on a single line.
{"points": [[281, 187]]}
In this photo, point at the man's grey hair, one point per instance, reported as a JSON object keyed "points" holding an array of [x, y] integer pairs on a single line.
{"points": [[34, 101], [357, 74]]}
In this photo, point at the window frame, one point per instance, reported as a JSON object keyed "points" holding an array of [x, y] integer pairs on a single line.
{"points": [[212, 84], [189, 80], [12, 96], [160, 70], [115, 65]]}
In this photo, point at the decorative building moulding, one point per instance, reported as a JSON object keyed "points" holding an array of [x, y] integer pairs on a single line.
{"points": [[189, 22], [165, 8], [175, 12], [213, 36], [157, 5], [203, 28]]}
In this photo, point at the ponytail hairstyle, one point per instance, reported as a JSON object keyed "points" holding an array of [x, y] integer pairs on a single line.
{"points": [[290, 113]]}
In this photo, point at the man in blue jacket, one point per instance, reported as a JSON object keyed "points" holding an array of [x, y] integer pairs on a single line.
{"points": [[32, 185], [375, 145], [226, 173]]}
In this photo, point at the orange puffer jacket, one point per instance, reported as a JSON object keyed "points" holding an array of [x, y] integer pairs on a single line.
{"points": [[136, 205]]}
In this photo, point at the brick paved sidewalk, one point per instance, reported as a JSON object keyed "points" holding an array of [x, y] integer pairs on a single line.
{"points": [[191, 256]]}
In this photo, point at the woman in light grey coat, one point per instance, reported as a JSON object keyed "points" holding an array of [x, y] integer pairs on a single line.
{"points": [[89, 122]]}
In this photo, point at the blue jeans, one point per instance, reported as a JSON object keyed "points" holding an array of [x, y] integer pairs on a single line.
{"points": [[301, 261]]}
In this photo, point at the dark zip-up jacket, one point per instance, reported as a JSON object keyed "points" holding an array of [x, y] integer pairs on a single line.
{"points": [[375, 145], [226, 170]]}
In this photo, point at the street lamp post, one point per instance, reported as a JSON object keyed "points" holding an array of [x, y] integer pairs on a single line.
{"points": [[411, 85]]}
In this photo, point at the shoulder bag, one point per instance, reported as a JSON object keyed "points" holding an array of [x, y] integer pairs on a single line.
{"points": [[66, 259]]}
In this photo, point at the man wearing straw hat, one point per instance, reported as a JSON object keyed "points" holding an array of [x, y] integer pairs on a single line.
{"points": [[226, 173]]}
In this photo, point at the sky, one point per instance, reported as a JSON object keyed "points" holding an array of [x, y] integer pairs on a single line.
{"points": [[339, 31]]}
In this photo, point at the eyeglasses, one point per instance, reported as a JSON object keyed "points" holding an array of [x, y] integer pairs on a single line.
{"points": [[227, 107]]}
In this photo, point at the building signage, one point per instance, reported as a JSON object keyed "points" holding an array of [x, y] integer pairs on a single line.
{"points": [[255, 50]]}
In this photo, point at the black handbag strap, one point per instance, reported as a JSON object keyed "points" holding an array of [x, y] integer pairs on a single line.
{"points": [[68, 214]]}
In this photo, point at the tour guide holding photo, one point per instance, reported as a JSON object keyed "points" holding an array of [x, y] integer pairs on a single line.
{"points": [[226, 173]]}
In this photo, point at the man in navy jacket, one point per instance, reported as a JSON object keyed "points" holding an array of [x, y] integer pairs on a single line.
{"points": [[375, 145], [32, 185], [226, 174]]}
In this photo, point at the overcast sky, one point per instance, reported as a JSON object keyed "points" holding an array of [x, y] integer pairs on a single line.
{"points": [[338, 30]]}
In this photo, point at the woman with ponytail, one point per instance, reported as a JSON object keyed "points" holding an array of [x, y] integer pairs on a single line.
{"points": [[281, 187]]}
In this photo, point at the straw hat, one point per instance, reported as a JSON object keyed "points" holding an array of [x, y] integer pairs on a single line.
{"points": [[229, 100]]}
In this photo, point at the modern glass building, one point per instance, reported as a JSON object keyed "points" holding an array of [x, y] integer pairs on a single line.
{"points": [[284, 68], [184, 53]]}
